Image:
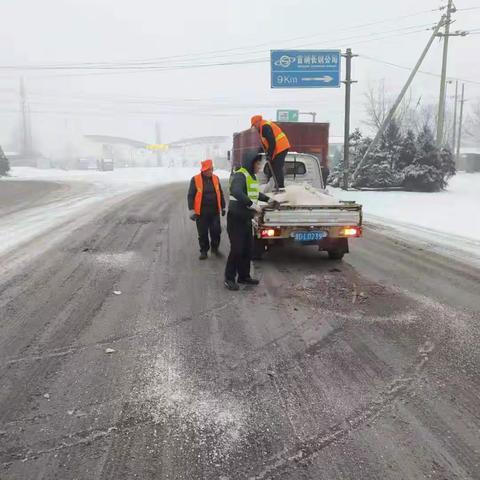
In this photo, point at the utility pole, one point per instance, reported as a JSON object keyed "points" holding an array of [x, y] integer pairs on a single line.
{"points": [[443, 81], [346, 134], [462, 101], [445, 135], [26, 145], [399, 99], [158, 139], [454, 136]]}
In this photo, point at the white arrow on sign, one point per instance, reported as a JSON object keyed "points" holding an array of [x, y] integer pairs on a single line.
{"points": [[326, 79]]}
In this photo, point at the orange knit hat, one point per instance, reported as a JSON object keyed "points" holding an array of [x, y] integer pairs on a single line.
{"points": [[255, 120], [207, 165]]}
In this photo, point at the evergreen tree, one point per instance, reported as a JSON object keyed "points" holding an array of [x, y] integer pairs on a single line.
{"points": [[447, 161], [4, 164], [337, 157], [358, 147], [376, 171], [407, 151], [391, 141], [414, 162], [431, 167]]}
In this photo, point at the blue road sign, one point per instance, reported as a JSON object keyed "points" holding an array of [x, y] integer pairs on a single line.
{"points": [[305, 68]]}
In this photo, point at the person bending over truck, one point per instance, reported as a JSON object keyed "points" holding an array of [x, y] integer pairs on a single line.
{"points": [[206, 202], [276, 146], [243, 205]]}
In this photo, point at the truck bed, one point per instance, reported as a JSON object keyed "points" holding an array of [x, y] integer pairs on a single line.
{"points": [[314, 215]]}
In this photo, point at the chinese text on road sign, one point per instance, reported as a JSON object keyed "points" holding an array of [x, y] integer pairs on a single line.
{"points": [[287, 115], [305, 68]]}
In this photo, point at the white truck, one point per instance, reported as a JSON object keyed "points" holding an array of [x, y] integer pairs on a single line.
{"points": [[308, 214]]}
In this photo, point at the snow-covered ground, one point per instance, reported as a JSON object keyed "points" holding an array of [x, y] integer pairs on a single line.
{"points": [[448, 219], [90, 192], [122, 180]]}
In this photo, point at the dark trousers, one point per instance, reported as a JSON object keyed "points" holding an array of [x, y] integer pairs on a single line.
{"points": [[241, 246], [208, 223], [278, 165]]}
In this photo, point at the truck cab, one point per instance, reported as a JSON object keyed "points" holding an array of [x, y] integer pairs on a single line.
{"points": [[299, 167]]}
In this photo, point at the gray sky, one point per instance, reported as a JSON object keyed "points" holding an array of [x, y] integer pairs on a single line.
{"points": [[214, 100]]}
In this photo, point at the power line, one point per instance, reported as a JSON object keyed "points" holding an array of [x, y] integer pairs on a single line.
{"points": [[199, 56], [403, 67], [147, 105], [467, 9], [373, 36], [163, 68], [125, 113]]}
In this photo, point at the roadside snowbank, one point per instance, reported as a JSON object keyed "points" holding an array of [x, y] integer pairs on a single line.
{"points": [[449, 218], [117, 181]]}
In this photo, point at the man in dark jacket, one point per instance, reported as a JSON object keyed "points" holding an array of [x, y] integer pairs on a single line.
{"points": [[206, 202], [244, 197]]}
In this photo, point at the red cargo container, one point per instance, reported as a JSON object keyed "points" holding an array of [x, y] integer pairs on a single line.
{"points": [[304, 137]]}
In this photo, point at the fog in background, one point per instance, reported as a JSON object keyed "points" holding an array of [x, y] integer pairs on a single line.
{"points": [[144, 49]]}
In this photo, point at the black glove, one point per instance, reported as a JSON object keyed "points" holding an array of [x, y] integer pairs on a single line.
{"points": [[193, 216], [223, 212], [272, 203]]}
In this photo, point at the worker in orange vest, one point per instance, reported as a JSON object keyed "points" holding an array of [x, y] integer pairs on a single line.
{"points": [[276, 146], [206, 202]]}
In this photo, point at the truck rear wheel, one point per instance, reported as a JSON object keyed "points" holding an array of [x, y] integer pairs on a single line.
{"points": [[335, 254], [259, 248], [335, 247]]}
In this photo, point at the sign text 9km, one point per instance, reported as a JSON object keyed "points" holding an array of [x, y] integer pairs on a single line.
{"points": [[305, 68]]}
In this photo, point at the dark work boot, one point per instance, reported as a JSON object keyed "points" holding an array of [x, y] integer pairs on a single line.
{"points": [[203, 256], [249, 281], [216, 252], [232, 285]]}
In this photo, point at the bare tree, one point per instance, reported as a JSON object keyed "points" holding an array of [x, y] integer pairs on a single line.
{"points": [[422, 115], [425, 116], [378, 102], [413, 113]]}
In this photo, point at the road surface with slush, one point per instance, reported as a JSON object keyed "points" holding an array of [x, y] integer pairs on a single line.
{"points": [[123, 356]]}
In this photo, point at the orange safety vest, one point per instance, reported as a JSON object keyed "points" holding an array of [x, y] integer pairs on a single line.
{"points": [[197, 205], [281, 140]]}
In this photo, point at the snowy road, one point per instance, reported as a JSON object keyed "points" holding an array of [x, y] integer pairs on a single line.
{"points": [[43, 206], [363, 369]]}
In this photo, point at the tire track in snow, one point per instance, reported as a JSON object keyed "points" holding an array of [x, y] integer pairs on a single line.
{"points": [[397, 390]]}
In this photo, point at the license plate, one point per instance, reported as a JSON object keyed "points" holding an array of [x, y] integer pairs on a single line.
{"points": [[313, 236]]}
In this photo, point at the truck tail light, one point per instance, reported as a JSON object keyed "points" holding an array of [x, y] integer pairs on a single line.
{"points": [[351, 232], [268, 233]]}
